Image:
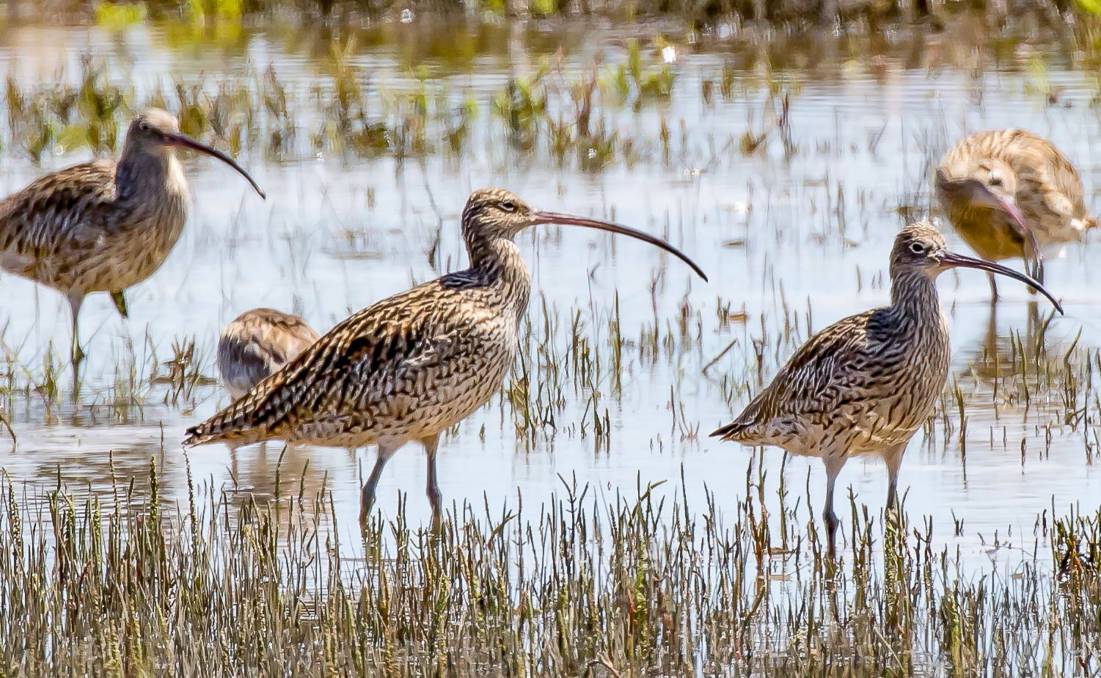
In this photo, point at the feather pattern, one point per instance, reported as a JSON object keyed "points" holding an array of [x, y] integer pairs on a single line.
{"points": [[863, 384], [75, 231], [408, 366], [257, 344]]}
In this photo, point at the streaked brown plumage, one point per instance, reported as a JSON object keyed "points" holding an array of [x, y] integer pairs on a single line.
{"points": [[257, 344], [103, 226], [865, 384], [1010, 193], [413, 365]]}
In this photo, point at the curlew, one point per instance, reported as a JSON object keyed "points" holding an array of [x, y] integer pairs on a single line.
{"points": [[103, 226], [411, 366], [1010, 193], [865, 384], [258, 343]]}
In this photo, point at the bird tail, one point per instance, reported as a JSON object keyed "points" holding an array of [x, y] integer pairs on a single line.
{"points": [[745, 428], [732, 431], [248, 420]]}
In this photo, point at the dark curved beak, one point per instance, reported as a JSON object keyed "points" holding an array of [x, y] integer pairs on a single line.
{"points": [[188, 142], [953, 260], [1032, 246], [1008, 206], [570, 220]]}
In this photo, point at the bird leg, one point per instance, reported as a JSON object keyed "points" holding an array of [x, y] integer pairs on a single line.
{"points": [[432, 488], [893, 457], [120, 303], [834, 462], [367, 497], [75, 302]]}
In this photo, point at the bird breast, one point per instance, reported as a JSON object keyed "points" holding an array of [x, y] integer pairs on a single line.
{"points": [[987, 232], [906, 382]]}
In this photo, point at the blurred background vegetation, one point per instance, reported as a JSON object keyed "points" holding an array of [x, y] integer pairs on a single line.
{"points": [[700, 11]]}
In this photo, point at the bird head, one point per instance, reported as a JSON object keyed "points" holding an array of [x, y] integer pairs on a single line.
{"points": [[497, 213], [157, 132], [986, 184], [920, 248]]}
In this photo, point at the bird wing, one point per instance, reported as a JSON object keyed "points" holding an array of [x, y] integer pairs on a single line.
{"points": [[1062, 175], [57, 213], [271, 336], [829, 370], [1044, 172], [245, 357], [372, 357], [1065, 195]]}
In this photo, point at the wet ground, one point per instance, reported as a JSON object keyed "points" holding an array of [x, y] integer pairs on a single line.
{"points": [[791, 214]]}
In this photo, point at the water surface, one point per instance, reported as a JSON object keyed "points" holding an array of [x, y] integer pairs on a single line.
{"points": [[794, 235]]}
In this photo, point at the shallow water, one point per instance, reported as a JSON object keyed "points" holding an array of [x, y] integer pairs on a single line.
{"points": [[800, 228]]}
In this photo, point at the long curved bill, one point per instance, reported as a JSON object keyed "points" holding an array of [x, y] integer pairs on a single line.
{"points": [[570, 220], [188, 142], [1032, 249], [951, 260]]}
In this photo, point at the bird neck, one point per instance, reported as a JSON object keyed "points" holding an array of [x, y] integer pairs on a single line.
{"points": [[140, 173], [498, 262], [914, 295]]}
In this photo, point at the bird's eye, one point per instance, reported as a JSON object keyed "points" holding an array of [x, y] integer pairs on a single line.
{"points": [[508, 206], [995, 181], [143, 126], [917, 248]]}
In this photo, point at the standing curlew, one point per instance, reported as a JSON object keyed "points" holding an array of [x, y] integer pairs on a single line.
{"points": [[257, 344], [413, 365], [103, 226], [1010, 193], [865, 384]]}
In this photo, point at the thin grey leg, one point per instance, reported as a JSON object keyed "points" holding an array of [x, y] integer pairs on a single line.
{"points": [[75, 302], [833, 467], [432, 487], [993, 287], [893, 457], [367, 497]]}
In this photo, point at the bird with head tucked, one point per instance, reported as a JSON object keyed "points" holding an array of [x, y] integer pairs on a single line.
{"points": [[1009, 194]]}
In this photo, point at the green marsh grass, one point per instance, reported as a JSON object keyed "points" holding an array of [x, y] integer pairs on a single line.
{"points": [[584, 584]]}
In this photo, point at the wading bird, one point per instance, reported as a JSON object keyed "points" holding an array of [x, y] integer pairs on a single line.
{"points": [[103, 226], [413, 365], [257, 344], [1010, 193], [865, 384]]}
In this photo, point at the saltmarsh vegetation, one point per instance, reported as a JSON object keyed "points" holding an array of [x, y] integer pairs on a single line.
{"points": [[548, 112], [584, 584], [778, 12]]}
